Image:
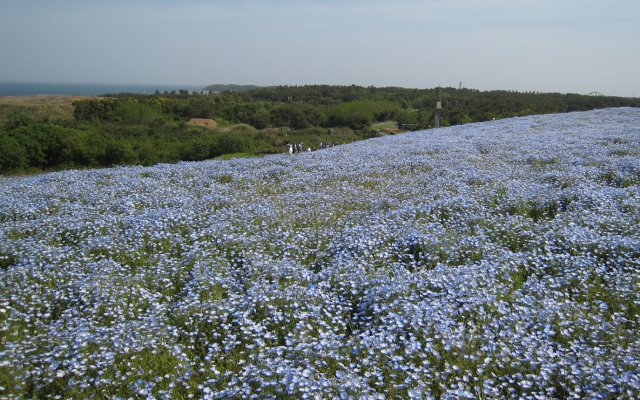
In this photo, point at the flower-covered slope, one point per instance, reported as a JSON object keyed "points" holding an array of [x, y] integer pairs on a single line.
{"points": [[490, 260]]}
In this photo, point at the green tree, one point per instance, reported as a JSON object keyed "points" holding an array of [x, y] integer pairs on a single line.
{"points": [[85, 110], [359, 114], [12, 156], [354, 114], [424, 119], [291, 115], [33, 144], [260, 118], [133, 112], [118, 152], [227, 144], [406, 119], [21, 119]]}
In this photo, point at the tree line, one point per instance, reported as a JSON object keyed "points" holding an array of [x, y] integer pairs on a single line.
{"points": [[148, 129]]}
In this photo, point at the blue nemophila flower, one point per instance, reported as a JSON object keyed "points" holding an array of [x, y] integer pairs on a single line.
{"points": [[480, 261]]}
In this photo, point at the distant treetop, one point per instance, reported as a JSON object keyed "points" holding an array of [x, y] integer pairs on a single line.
{"points": [[218, 88]]}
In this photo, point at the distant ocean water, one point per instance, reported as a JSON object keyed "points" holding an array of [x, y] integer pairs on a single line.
{"points": [[83, 89]]}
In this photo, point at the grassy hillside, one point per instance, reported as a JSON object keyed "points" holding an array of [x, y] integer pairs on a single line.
{"points": [[46, 107], [489, 260]]}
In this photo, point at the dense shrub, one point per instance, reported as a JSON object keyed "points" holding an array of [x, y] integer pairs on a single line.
{"points": [[12, 155], [148, 129]]}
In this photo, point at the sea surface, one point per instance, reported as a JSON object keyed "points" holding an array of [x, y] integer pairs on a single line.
{"points": [[84, 89]]}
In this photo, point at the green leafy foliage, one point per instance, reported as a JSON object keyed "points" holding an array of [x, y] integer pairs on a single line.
{"points": [[148, 129], [360, 114], [12, 154]]}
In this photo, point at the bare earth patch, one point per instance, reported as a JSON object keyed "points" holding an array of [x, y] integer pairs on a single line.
{"points": [[211, 123]]}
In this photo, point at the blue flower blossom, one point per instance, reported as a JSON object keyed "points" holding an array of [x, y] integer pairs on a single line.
{"points": [[491, 260]]}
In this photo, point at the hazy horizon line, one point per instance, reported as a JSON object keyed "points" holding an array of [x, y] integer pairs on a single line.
{"points": [[203, 86]]}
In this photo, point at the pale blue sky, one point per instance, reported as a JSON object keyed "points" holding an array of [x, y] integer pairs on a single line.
{"points": [[543, 45]]}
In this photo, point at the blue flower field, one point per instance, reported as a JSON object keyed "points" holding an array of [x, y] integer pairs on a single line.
{"points": [[483, 261]]}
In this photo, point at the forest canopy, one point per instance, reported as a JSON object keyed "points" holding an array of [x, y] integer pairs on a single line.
{"points": [[142, 129]]}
